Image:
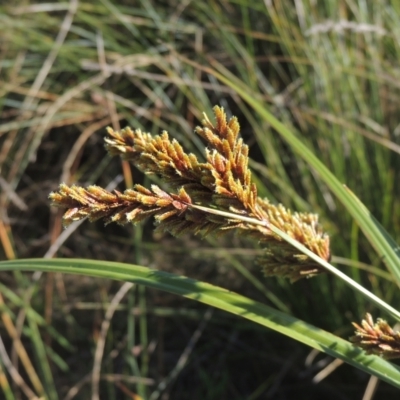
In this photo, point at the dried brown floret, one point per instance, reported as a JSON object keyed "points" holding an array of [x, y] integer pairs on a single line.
{"points": [[377, 338]]}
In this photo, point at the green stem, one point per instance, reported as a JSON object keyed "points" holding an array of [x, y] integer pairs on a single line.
{"points": [[379, 302]]}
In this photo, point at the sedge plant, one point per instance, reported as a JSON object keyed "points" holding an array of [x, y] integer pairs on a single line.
{"points": [[339, 71], [216, 197]]}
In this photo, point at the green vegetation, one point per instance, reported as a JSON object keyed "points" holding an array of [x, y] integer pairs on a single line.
{"points": [[315, 88]]}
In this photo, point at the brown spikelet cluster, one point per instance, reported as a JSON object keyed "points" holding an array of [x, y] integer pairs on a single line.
{"points": [[282, 259], [377, 338], [228, 158], [171, 211], [221, 183]]}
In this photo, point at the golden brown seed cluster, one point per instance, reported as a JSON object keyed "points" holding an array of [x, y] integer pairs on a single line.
{"points": [[223, 183], [377, 338]]}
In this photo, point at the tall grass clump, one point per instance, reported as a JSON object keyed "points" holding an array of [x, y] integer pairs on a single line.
{"points": [[315, 88]]}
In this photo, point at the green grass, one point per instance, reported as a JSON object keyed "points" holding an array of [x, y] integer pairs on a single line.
{"points": [[155, 66]]}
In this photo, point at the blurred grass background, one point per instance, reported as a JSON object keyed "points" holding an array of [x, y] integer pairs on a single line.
{"points": [[328, 70]]}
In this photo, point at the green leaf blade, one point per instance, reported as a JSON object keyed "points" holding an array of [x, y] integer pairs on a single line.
{"points": [[222, 299]]}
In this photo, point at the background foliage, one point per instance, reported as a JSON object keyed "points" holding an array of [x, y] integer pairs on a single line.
{"points": [[328, 70]]}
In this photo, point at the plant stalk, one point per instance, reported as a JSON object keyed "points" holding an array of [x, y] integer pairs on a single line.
{"points": [[379, 302]]}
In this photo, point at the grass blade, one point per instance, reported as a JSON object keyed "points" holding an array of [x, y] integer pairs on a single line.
{"points": [[222, 299]]}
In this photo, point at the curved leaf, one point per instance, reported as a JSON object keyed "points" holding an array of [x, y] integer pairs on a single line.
{"points": [[222, 299]]}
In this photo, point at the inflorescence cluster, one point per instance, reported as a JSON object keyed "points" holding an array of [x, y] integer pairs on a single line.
{"points": [[221, 183], [377, 338]]}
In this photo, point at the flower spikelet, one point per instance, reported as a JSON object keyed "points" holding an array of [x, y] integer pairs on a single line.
{"points": [[157, 155], [377, 338], [282, 259], [228, 158], [123, 143], [171, 211]]}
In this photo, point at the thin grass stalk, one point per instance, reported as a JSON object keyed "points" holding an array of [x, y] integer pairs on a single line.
{"points": [[350, 282]]}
